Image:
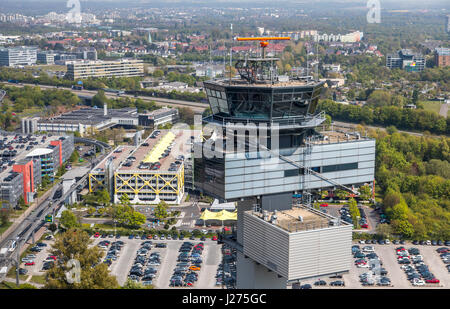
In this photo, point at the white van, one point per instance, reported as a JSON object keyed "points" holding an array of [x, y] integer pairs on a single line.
{"points": [[13, 246]]}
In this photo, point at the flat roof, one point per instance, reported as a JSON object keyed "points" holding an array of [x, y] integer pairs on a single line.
{"points": [[289, 220], [91, 115], [331, 137], [150, 150], [39, 152], [156, 147], [22, 153]]}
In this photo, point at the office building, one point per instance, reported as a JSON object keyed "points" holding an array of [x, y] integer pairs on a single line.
{"points": [[86, 54], [442, 57], [18, 56], [267, 149], [406, 60], [121, 68], [158, 117], [352, 37], [46, 58]]}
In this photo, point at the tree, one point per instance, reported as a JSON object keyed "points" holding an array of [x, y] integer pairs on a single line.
{"points": [[125, 200], [4, 216], [69, 220], [103, 197], [186, 115], [341, 194], [75, 244], [161, 211], [99, 99], [21, 202], [403, 227], [132, 285], [74, 156], [354, 212], [365, 192], [158, 73], [126, 216], [384, 229]]}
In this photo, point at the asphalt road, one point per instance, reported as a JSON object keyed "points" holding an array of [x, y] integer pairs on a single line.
{"points": [[195, 106]]}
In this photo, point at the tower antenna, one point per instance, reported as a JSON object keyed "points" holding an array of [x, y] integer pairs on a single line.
{"points": [[231, 50]]}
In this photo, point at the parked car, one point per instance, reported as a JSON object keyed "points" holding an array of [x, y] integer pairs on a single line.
{"points": [[337, 283]]}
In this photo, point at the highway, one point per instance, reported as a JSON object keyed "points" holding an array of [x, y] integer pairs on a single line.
{"points": [[353, 125], [195, 106]]}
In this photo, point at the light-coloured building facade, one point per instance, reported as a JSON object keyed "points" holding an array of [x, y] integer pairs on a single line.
{"points": [[18, 56], [121, 68]]}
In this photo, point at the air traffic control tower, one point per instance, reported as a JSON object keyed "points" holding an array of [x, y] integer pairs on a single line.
{"points": [[279, 241]]}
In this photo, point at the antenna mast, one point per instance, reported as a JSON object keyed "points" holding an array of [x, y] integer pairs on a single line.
{"points": [[231, 50]]}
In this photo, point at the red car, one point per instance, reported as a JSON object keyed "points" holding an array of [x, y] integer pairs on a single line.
{"points": [[365, 226], [324, 205], [434, 280], [214, 238], [52, 257], [149, 236], [29, 263], [97, 235]]}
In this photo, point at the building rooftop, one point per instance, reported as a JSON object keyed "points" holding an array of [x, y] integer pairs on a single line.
{"points": [[442, 51], [92, 116], [331, 137], [149, 151], [39, 152], [299, 218], [21, 154]]}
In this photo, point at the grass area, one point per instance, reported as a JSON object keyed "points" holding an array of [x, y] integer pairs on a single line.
{"points": [[3, 228], [30, 111], [51, 67], [39, 279], [433, 106], [7, 285]]}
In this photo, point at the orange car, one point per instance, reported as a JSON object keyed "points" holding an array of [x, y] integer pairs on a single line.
{"points": [[194, 268]]}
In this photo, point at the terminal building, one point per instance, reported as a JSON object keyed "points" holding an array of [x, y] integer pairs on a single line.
{"points": [[271, 151], [148, 173]]}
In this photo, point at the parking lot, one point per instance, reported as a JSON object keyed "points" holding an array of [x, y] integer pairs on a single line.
{"points": [[212, 273], [398, 278], [211, 258]]}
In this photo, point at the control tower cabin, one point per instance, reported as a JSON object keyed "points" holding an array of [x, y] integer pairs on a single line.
{"points": [[279, 241]]}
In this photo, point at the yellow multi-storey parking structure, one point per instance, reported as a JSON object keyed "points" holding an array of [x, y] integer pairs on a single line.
{"points": [[150, 187], [149, 173]]}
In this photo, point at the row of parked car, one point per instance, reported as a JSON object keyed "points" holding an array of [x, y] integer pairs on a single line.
{"points": [[146, 263], [444, 253], [366, 257], [189, 264], [113, 251], [414, 267], [226, 272]]}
